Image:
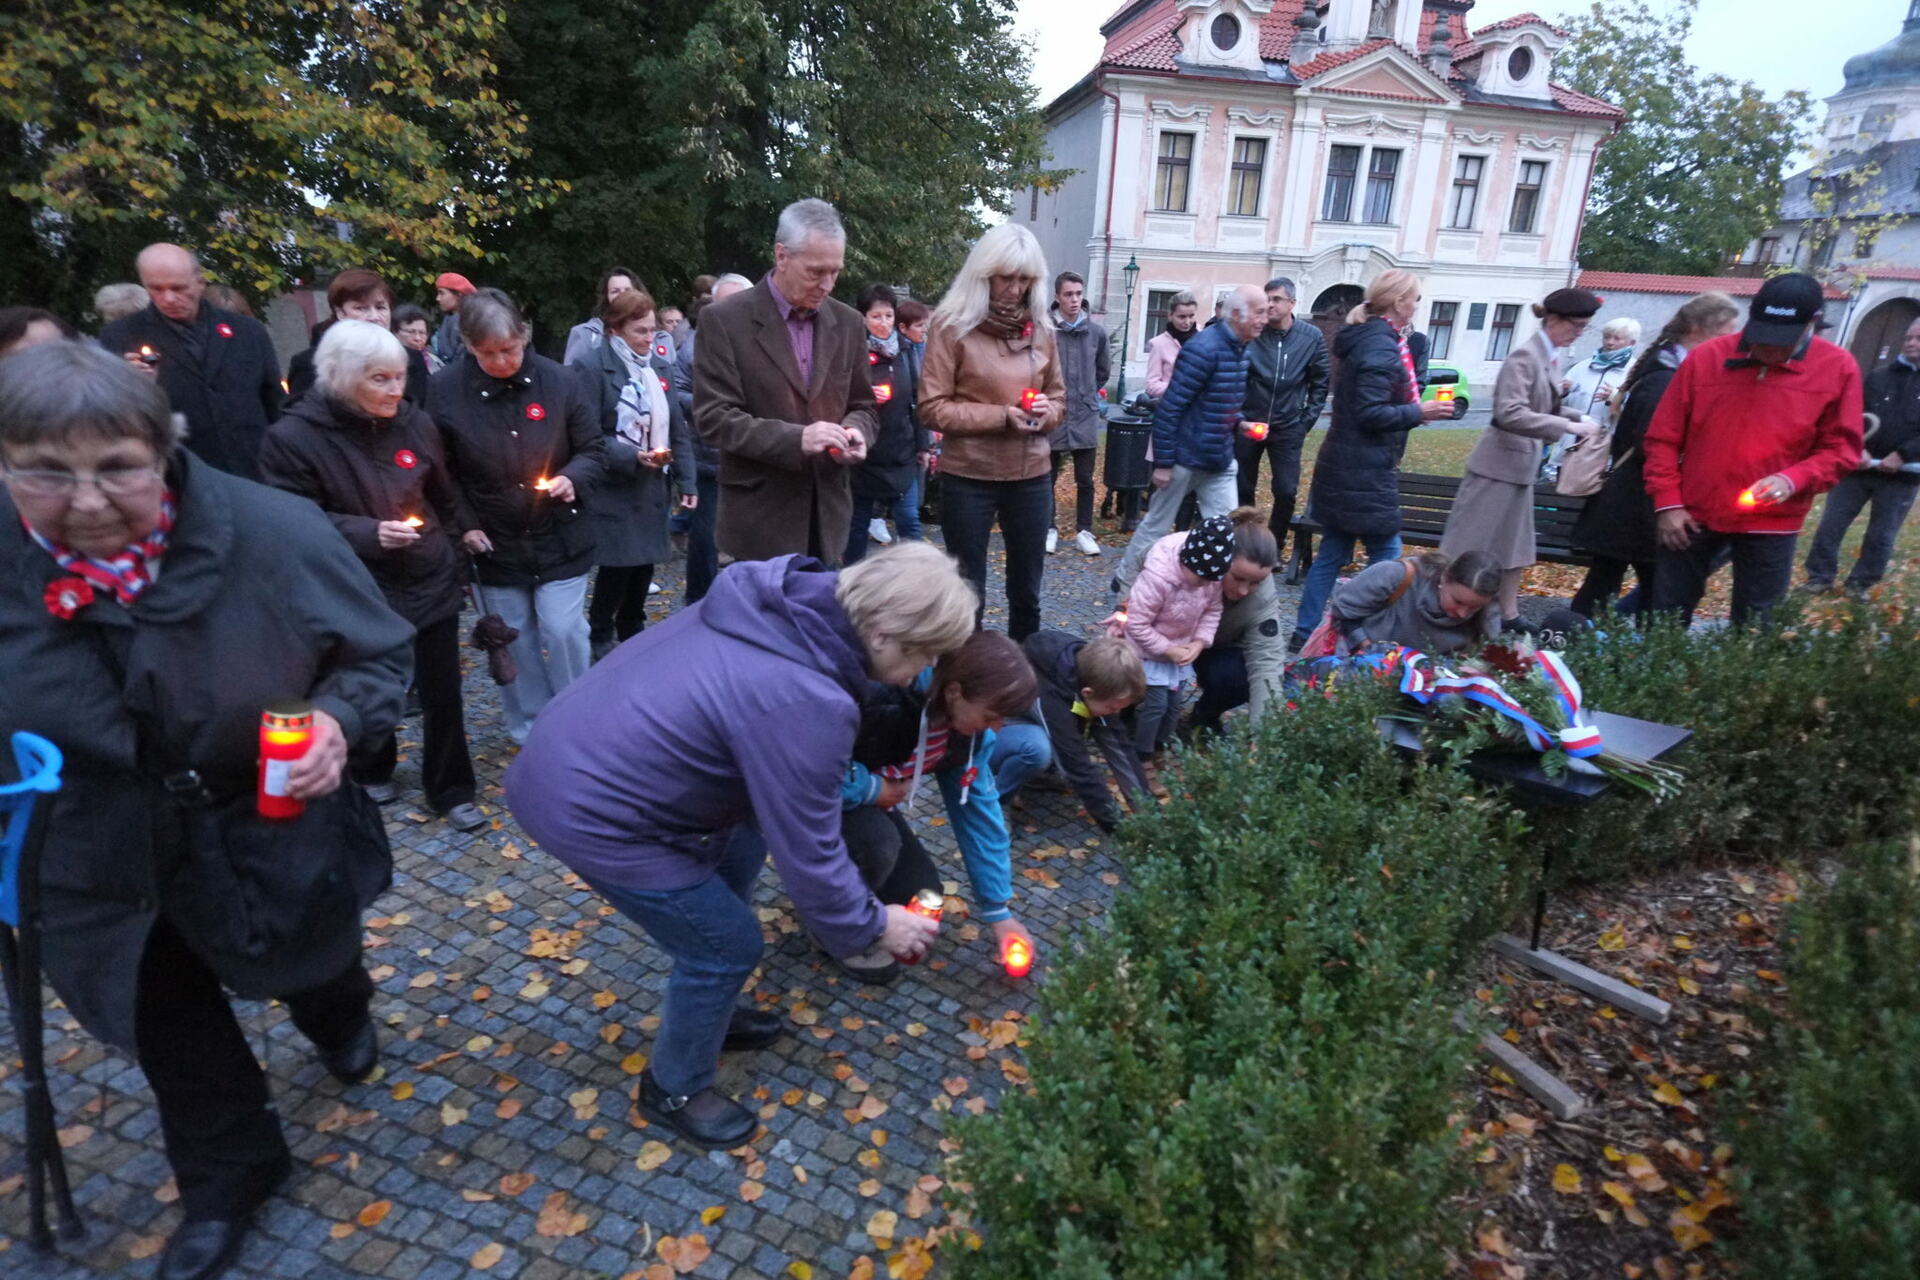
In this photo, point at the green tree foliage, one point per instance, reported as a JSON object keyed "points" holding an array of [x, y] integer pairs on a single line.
{"points": [[1695, 171], [684, 125], [256, 135]]}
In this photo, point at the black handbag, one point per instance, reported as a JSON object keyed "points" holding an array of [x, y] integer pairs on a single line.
{"points": [[275, 906]]}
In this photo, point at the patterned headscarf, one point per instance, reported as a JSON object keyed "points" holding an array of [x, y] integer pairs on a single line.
{"points": [[1208, 550]]}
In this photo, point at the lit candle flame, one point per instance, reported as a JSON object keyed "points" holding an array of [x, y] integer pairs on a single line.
{"points": [[1018, 957], [415, 522], [1749, 498], [543, 484]]}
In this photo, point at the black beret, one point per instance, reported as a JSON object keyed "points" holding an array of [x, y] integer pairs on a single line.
{"points": [[1577, 304]]}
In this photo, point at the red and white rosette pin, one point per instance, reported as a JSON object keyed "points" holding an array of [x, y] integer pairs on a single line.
{"points": [[406, 460], [224, 330], [68, 596], [536, 411]]}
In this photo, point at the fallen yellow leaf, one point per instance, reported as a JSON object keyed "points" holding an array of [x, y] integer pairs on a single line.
{"points": [[486, 1256], [1566, 1180], [881, 1226], [373, 1214], [652, 1156], [712, 1214]]}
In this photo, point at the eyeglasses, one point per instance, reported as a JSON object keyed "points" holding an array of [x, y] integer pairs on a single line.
{"points": [[114, 482]]}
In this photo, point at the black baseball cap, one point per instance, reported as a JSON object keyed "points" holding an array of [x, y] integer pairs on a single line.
{"points": [[1782, 310]]}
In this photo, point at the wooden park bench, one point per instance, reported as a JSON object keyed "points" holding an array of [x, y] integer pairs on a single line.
{"points": [[1427, 501]]}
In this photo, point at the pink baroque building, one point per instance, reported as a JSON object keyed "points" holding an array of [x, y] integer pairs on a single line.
{"points": [[1222, 142]]}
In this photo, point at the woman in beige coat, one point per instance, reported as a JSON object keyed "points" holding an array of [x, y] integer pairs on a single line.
{"points": [[992, 385], [1494, 510]]}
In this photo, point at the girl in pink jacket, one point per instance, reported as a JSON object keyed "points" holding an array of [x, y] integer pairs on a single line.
{"points": [[1175, 608]]}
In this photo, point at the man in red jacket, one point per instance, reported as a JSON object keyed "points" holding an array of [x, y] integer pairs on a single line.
{"points": [[1752, 427]]}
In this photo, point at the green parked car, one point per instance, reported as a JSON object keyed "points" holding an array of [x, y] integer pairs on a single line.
{"points": [[1445, 375]]}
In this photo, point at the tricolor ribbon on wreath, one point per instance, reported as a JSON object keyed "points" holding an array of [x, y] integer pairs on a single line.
{"points": [[1426, 684]]}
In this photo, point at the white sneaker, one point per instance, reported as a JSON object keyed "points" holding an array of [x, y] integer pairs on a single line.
{"points": [[1053, 541], [877, 531], [1084, 540]]}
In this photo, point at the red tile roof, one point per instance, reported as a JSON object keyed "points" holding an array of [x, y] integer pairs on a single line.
{"points": [[1521, 20], [1150, 41], [1634, 282], [1872, 272], [1579, 104], [1328, 61]]}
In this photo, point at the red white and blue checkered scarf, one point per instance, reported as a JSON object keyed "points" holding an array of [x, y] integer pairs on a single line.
{"points": [[127, 574]]}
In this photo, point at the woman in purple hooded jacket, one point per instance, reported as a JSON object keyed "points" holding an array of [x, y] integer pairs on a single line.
{"points": [[637, 775]]}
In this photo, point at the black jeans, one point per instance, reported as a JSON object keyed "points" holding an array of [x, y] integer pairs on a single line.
{"points": [[446, 770], [703, 554], [890, 858], [1024, 510], [1603, 583], [1762, 571], [222, 1137], [1222, 677], [1082, 484], [618, 610], [1282, 450]]}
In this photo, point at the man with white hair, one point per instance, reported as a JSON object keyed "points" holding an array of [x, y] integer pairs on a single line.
{"points": [[1194, 427], [781, 390], [218, 368]]}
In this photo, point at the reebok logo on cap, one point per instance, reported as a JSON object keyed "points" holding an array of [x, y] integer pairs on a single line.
{"points": [[1782, 311]]}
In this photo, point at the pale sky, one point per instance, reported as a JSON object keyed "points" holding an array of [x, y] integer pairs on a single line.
{"points": [[1779, 44]]}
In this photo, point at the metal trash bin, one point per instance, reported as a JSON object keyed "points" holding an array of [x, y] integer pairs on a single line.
{"points": [[1127, 441]]}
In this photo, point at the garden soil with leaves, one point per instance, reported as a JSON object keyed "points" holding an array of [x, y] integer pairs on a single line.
{"points": [[1638, 1185]]}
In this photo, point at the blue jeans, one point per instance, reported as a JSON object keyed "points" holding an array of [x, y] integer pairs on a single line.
{"points": [[1329, 558], [1891, 497], [714, 938], [1020, 751], [906, 512]]}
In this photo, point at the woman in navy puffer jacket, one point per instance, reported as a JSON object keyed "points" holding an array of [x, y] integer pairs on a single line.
{"points": [[1376, 401]]}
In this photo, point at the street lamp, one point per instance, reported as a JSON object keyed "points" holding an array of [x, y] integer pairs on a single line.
{"points": [[1131, 274]]}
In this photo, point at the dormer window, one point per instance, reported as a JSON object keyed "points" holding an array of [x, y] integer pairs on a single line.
{"points": [[1222, 33], [1226, 33], [1520, 64]]}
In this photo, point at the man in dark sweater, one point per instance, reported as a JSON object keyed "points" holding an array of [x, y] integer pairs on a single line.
{"points": [[218, 368], [1287, 374], [1887, 480]]}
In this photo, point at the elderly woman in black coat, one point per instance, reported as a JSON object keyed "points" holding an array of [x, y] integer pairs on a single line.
{"points": [[152, 608], [375, 465], [1355, 496], [643, 430], [523, 441]]}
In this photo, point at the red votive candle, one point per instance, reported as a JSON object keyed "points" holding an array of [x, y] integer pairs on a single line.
{"points": [[1256, 431], [1443, 394], [286, 734], [1017, 956], [929, 904], [883, 391], [1027, 399]]}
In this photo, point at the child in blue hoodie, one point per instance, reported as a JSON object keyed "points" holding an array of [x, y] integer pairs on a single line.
{"points": [[938, 732]]}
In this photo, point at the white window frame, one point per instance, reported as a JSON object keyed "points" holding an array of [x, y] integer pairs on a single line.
{"points": [[1479, 190], [1357, 210], [1261, 203]]}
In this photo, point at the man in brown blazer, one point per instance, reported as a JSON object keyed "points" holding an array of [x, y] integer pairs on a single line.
{"points": [[780, 389]]}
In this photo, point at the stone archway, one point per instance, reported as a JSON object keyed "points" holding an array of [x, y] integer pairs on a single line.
{"points": [[1335, 302], [1876, 340]]}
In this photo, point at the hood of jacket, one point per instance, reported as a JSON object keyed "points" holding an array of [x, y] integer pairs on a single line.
{"points": [[1349, 338], [787, 607], [1055, 658]]}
